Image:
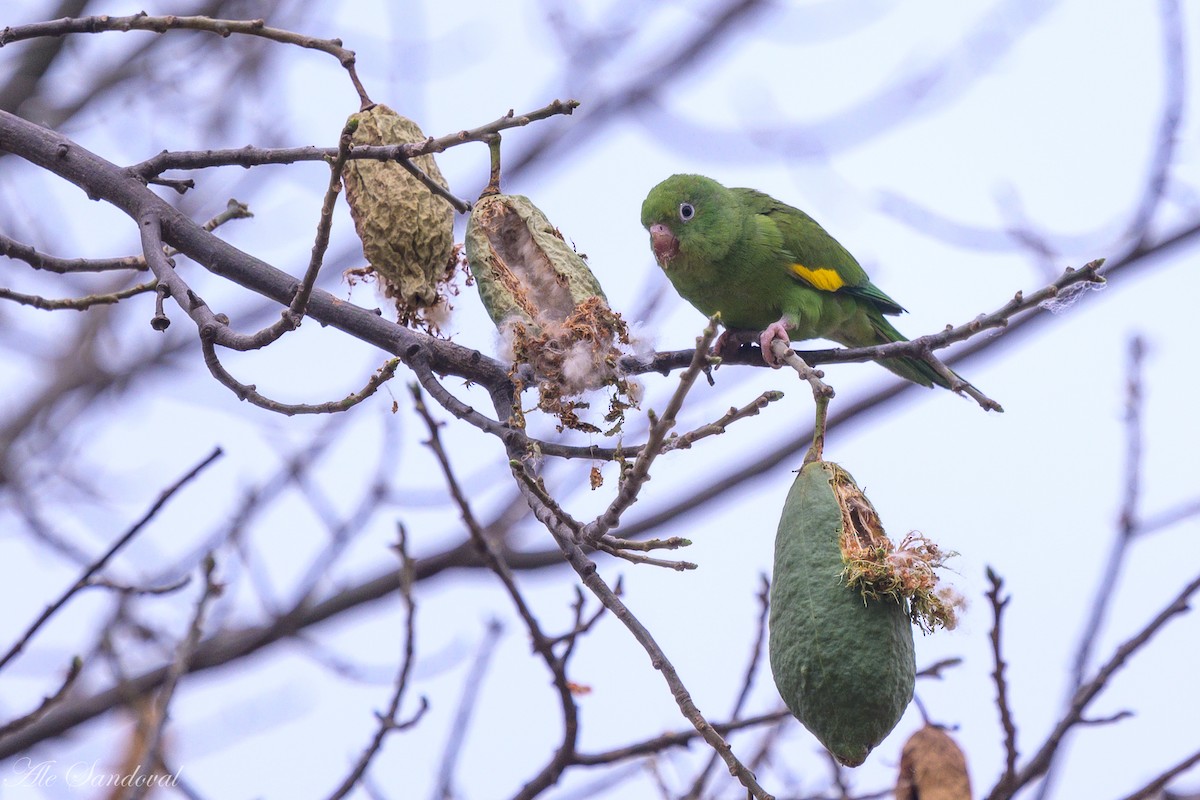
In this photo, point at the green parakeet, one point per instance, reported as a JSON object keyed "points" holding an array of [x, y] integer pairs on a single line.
{"points": [[769, 267]]}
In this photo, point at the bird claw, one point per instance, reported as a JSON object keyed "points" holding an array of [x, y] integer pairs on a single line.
{"points": [[776, 330], [729, 341]]}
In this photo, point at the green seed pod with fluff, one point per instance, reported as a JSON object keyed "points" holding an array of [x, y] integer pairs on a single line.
{"points": [[547, 305], [843, 663], [525, 271]]}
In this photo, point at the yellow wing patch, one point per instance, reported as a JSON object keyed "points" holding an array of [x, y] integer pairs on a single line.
{"points": [[823, 278]]}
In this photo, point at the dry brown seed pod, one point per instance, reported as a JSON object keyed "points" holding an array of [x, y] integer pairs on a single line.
{"points": [[932, 767], [407, 231]]}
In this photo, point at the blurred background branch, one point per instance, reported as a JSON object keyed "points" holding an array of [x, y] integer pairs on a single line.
{"points": [[953, 150]]}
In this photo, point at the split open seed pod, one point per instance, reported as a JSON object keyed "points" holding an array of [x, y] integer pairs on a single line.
{"points": [[548, 307], [526, 272], [843, 664], [407, 231], [844, 600]]}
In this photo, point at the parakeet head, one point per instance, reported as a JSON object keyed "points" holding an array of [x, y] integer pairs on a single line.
{"points": [[692, 216]]}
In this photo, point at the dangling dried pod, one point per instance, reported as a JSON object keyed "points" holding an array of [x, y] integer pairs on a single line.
{"points": [[547, 305], [932, 767], [407, 231]]}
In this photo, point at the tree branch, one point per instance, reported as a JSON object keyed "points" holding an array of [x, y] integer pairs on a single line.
{"points": [[221, 27], [99, 564], [1043, 758]]}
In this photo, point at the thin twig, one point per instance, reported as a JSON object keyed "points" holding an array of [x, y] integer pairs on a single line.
{"points": [[718, 426], [387, 720], [179, 667], [542, 644], [459, 205], [1152, 523], [48, 702], [221, 27], [122, 588], [936, 669], [822, 393], [38, 260], [249, 392], [756, 651], [76, 303], [100, 563], [256, 156], [637, 475], [1153, 789], [629, 550], [998, 603], [324, 225], [1037, 766]]}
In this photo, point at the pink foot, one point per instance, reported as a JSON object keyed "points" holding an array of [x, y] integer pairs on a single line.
{"points": [[776, 330]]}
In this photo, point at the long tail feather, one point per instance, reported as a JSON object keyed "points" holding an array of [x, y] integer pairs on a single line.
{"points": [[915, 370]]}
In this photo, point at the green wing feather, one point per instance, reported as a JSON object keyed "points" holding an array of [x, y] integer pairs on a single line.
{"points": [[803, 241]]}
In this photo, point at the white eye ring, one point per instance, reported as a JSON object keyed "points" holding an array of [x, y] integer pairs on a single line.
{"points": [[686, 211]]}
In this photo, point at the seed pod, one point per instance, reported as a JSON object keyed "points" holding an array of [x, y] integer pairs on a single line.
{"points": [[932, 767], [524, 269], [548, 307], [407, 231], [843, 662]]}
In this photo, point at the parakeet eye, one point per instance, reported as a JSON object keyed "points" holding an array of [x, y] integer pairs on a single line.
{"points": [[686, 211]]}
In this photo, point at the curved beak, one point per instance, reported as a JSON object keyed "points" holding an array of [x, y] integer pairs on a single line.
{"points": [[664, 244]]}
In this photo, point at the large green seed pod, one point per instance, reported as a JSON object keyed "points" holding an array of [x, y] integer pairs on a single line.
{"points": [[407, 231], [842, 661], [524, 269]]}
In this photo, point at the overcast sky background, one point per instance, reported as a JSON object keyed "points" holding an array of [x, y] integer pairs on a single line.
{"points": [[1038, 114]]}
